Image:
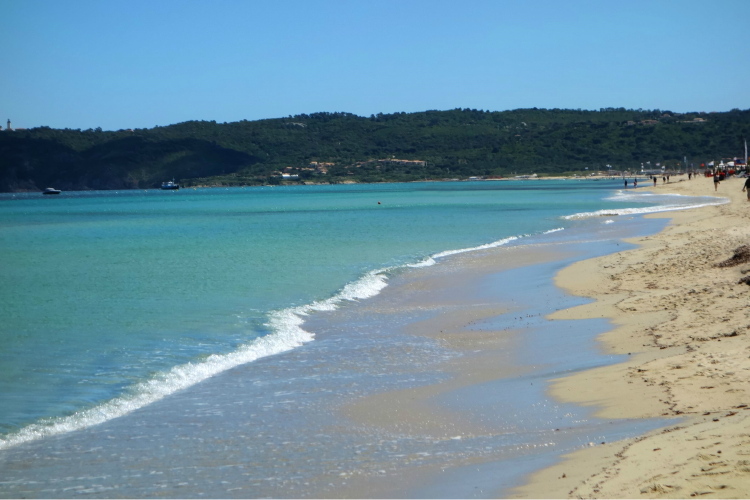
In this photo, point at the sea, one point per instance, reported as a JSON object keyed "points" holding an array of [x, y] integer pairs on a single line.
{"points": [[201, 342]]}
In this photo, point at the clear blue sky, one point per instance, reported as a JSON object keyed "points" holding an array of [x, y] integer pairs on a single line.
{"points": [[140, 63]]}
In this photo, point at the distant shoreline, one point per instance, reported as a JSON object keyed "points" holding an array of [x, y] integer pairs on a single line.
{"points": [[501, 179], [184, 184]]}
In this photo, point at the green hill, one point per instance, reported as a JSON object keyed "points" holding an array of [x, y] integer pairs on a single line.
{"points": [[452, 144]]}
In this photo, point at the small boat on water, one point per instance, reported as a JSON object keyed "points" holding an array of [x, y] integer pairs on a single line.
{"points": [[51, 191], [170, 185]]}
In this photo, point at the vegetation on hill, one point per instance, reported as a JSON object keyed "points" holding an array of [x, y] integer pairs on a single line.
{"points": [[452, 144]]}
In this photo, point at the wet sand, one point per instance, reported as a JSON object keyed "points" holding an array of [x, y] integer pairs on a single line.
{"points": [[489, 388], [456, 297], [684, 324]]}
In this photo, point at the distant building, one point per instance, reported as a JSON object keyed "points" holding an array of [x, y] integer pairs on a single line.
{"points": [[695, 120], [394, 161], [9, 127], [320, 166]]}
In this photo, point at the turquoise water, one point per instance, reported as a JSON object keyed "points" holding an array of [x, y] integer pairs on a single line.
{"points": [[112, 300]]}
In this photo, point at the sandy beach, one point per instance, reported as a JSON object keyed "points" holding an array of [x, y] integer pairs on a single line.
{"points": [[682, 317]]}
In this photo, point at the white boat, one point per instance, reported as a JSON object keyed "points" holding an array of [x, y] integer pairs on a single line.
{"points": [[51, 191], [170, 185]]}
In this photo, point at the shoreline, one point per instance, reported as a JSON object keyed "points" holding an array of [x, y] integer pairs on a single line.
{"points": [[506, 352], [684, 325]]}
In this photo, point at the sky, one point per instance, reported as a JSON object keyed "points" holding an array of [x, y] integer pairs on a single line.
{"points": [[121, 64]]}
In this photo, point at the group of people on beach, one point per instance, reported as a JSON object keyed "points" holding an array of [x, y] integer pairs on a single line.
{"points": [[664, 179], [720, 176]]}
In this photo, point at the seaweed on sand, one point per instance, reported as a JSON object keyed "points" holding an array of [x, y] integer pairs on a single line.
{"points": [[741, 255]]}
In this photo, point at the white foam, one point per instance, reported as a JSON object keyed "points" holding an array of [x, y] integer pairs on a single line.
{"points": [[368, 286], [494, 244], [649, 210], [431, 260]]}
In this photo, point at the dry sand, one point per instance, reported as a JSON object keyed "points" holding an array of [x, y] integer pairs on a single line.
{"points": [[686, 324]]}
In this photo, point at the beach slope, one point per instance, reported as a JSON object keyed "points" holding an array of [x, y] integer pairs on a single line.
{"points": [[682, 315]]}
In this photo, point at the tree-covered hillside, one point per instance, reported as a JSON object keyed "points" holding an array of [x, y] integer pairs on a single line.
{"points": [[452, 144]]}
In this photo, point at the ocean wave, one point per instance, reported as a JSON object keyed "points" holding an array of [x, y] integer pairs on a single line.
{"points": [[668, 207], [494, 244], [166, 383], [646, 196], [429, 261], [368, 286], [286, 334], [432, 259]]}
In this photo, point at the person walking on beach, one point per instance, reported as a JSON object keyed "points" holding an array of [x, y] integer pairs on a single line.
{"points": [[635, 183], [716, 180], [746, 188], [654, 181]]}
